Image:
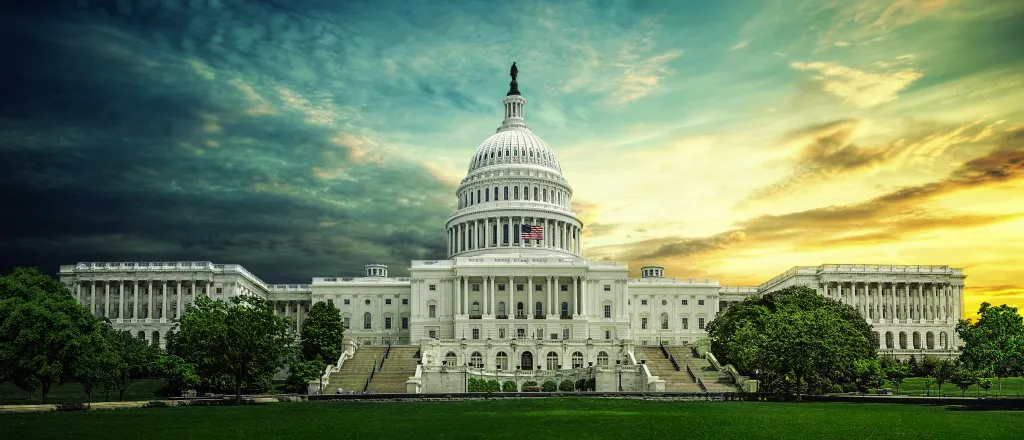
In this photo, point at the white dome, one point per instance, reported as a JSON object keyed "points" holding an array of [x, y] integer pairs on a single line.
{"points": [[514, 145]]}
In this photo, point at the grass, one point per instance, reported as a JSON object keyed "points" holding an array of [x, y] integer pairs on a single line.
{"points": [[522, 419], [914, 386], [144, 389]]}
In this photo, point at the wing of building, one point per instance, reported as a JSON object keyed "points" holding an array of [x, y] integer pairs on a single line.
{"points": [[515, 295]]}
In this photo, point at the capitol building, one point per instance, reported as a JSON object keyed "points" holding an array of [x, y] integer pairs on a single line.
{"points": [[515, 299]]}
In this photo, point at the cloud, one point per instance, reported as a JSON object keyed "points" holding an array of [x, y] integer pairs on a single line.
{"points": [[859, 88], [742, 44], [868, 20]]}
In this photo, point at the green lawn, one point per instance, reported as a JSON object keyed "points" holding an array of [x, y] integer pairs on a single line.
{"points": [[914, 386], [72, 393], [523, 419]]}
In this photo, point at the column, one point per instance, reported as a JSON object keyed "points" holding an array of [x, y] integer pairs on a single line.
{"points": [[550, 283], [906, 302], [920, 301], [106, 299], [120, 300], [465, 295], [624, 293], [487, 233], [575, 311], [529, 309], [583, 296], [510, 307], [135, 300], [455, 297], [522, 221], [298, 318], [163, 298], [177, 300], [149, 296], [92, 298]]}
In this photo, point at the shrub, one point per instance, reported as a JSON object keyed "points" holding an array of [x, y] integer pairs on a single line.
{"points": [[509, 387], [549, 386], [566, 385], [530, 384], [492, 386], [477, 385]]}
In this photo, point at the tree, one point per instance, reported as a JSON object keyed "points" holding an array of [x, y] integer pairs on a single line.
{"points": [[942, 373], [995, 343], [177, 374], [913, 367], [136, 359], [963, 378], [928, 382], [870, 374], [323, 335], [896, 373], [927, 366], [303, 372], [985, 384], [44, 332], [97, 368], [794, 339], [236, 344]]}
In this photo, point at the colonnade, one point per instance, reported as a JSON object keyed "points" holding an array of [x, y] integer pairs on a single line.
{"points": [[295, 309], [881, 301], [506, 232], [98, 292], [542, 304]]}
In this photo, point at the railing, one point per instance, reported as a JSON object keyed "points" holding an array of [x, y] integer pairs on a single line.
{"points": [[565, 317], [702, 387], [366, 384], [475, 316], [417, 355], [664, 352], [689, 372], [501, 316], [539, 316], [674, 363], [520, 316]]}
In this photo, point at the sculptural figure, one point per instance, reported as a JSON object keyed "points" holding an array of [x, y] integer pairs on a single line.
{"points": [[514, 71]]}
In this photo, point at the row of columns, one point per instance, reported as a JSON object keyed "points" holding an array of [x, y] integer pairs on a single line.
{"points": [[490, 296], [86, 294], [878, 301], [480, 234], [297, 315]]}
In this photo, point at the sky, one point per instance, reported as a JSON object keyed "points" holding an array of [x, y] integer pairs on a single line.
{"points": [[731, 139]]}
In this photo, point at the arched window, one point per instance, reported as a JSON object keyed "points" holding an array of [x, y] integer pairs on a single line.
{"points": [[577, 360], [156, 338], [526, 193], [539, 309], [544, 192], [664, 321], [142, 335], [475, 360], [366, 320], [888, 340], [501, 307], [552, 360], [487, 195], [535, 193], [476, 308], [515, 192], [565, 309], [506, 193], [903, 340], [495, 194], [930, 340], [450, 359], [478, 196], [602, 359], [501, 361], [471, 198], [519, 309]]}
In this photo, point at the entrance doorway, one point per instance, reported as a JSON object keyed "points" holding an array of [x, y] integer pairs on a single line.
{"points": [[526, 362]]}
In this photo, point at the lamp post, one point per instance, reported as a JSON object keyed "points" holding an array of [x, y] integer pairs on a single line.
{"points": [[618, 368]]}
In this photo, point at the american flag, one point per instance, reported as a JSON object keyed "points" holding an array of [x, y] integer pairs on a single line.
{"points": [[532, 232]]}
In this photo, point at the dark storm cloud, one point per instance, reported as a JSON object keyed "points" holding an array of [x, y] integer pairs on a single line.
{"points": [[149, 131]]}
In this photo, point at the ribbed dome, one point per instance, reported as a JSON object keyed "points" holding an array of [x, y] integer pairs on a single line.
{"points": [[514, 146]]}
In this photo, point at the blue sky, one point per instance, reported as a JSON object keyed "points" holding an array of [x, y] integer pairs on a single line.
{"points": [[722, 139]]}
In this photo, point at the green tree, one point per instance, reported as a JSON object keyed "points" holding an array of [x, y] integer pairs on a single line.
{"points": [[869, 374], [896, 374], [44, 333], [928, 383], [927, 366], [303, 372], [97, 368], [234, 344], [135, 359], [942, 372], [323, 334], [963, 378], [985, 384], [794, 339], [995, 343], [178, 374]]}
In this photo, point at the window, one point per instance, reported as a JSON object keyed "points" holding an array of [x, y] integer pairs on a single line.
{"points": [[686, 323], [684, 302], [346, 301], [526, 193], [331, 302], [367, 302], [433, 334], [607, 287], [387, 301], [643, 302], [501, 333], [643, 323], [506, 193], [536, 287], [366, 321], [602, 359], [475, 360], [540, 309], [516, 192], [347, 322], [519, 309], [432, 310], [476, 287], [565, 309], [487, 195], [664, 321], [565, 333], [535, 193], [433, 287], [501, 287], [387, 322], [476, 333], [405, 323], [475, 308], [501, 361], [218, 290], [608, 334], [405, 301], [607, 310], [501, 308], [664, 302], [520, 333], [700, 302], [700, 323], [478, 196], [519, 287], [552, 360], [564, 288], [577, 360]]}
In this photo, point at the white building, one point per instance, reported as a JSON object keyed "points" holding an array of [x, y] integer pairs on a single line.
{"points": [[505, 301]]}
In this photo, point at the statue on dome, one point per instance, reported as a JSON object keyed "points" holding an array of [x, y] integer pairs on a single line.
{"points": [[514, 72]]}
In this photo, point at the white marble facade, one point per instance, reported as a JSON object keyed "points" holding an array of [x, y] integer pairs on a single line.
{"points": [[521, 302]]}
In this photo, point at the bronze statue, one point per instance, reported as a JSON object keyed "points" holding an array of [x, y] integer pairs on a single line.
{"points": [[514, 71]]}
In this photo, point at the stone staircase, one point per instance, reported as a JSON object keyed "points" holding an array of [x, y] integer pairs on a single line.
{"points": [[354, 371], [399, 365], [715, 381], [675, 381]]}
